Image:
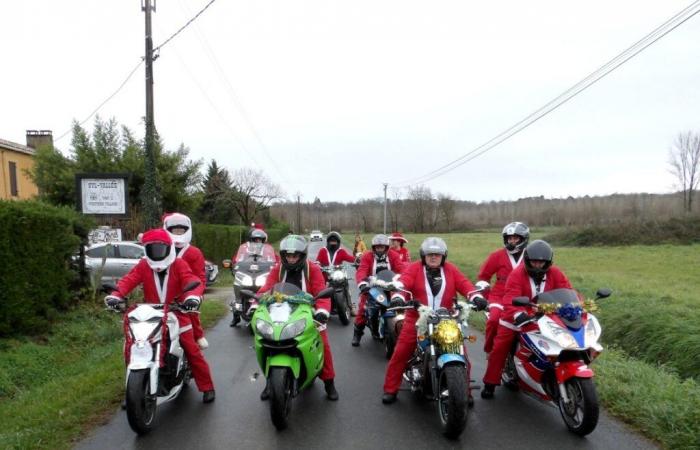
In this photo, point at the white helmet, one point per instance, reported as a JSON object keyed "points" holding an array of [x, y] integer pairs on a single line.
{"points": [[177, 220]]}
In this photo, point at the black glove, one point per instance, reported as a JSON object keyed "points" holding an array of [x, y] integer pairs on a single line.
{"points": [[191, 303], [480, 303], [114, 302], [321, 316], [521, 318], [397, 302]]}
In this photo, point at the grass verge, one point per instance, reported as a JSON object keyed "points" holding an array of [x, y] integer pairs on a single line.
{"points": [[54, 388]]}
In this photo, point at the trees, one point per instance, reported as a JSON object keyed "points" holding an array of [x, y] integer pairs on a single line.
{"points": [[254, 192], [684, 159], [217, 197]]}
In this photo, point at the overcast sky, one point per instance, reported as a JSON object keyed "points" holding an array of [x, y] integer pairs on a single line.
{"points": [[333, 98]]}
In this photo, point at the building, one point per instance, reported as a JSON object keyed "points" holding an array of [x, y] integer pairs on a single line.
{"points": [[15, 160]]}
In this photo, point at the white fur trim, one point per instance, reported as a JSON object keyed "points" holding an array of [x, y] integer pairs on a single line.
{"points": [[508, 325], [324, 311], [496, 305], [185, 328]]}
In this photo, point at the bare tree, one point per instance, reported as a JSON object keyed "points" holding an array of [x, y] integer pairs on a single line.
{"points": [[447, 209], [419, 204], [684, 158], [254, 192]]}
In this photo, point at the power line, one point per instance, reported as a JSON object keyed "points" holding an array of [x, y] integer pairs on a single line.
{"points": [[172, 36], [659, 32], [128, 77]]}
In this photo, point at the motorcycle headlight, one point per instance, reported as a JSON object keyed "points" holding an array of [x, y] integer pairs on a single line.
{"points": [[260, 280], [293, 329], [243, 279], [141, 351], [447, 333], [338, 275], [265, 329], [562, 336]]}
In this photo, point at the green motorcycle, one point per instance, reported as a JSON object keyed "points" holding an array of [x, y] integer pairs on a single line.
{"points": [[288, 345]]}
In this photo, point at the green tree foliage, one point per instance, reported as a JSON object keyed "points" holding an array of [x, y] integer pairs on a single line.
{"points": [[218, 197]]}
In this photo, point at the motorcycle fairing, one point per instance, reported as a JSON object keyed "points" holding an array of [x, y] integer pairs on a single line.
{"points": [[570, 369]]}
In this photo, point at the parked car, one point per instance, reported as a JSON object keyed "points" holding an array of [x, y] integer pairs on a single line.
{"points": [[316, 235], [121, 257]]}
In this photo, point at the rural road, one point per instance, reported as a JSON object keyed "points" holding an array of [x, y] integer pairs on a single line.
{"points": [[238, 419]]}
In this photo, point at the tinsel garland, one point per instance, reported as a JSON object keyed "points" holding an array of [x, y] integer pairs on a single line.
{"points": [[589, 305], [302, 298]]}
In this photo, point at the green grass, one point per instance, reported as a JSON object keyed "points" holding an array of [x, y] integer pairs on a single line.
{"points": [[224, 279], [650, 379], [54, 388]]}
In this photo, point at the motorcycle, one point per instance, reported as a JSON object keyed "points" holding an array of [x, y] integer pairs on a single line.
{"points": [[439, 369], [341, 304], [157, 369], [288, 345], [384, 323], [551, 357], [249, 274]]}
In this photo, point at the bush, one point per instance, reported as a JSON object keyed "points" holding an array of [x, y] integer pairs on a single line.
{"points": [[219, 242], [673, 231], [37, 242]]}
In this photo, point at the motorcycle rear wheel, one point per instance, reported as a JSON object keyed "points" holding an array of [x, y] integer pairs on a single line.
{"points": [[389, 343], [581, 413], [453, 394], [341, 306], [140, 404], [279, 385]]}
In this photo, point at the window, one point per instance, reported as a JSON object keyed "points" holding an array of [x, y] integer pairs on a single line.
{"points": [[130, 251], [13, 179], [99, 252]]}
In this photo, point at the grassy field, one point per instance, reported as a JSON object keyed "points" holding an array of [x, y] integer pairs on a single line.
{"points": [[653, 316], [55, 387]]}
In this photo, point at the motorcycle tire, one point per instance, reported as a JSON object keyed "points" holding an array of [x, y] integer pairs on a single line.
{"points": [[389, 343], [509, 376], [341, 306], [140, 404], [453, 392], [374, 326], [581, 413], [279, 388]]}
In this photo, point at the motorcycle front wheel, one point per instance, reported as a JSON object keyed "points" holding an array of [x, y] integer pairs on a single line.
{"points": [[341, 306], [280, 388], [580, 413], [453, 394], [140, 404]]}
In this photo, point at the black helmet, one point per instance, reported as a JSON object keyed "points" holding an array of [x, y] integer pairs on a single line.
{"points": [[380, 239], [257, 234], [539, 250], [293, 244], [516, 229], [433, 246], [334, 235]]}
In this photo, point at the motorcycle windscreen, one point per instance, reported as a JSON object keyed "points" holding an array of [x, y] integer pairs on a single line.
{"points": [[386, 275], [256, 251], [569, 311], [286, 288]]}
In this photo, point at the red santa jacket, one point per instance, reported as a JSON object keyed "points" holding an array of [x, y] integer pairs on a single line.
{"points": [[404, 254], [520, 284], [195, 258], [501, 263], [368, 265], [340, 256], [177, 277], [453, 281], [312, 282]]}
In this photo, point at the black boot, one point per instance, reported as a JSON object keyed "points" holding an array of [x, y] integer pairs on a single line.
{"points": [[388, 398], [209, 396], [487, 391], [265, 394], [331, 393], [357, 335], [235, 320]]}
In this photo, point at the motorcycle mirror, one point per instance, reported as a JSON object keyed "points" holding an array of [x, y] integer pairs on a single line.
{"points": [[521, 301], [226, 263], [324, 293], [603, 293], [191, 286], [108, 288]]}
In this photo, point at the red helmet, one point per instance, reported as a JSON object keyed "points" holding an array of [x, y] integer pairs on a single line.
{"points": [[160, 252]]}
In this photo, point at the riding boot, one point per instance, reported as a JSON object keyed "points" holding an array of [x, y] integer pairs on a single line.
{"points": [[487, 391], [331, 393], [357, 335]]}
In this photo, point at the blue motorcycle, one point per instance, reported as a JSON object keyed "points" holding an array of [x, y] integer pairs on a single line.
{"points": [[384, 323]]}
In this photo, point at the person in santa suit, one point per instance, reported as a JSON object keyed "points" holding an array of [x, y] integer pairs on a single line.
{"points": [[295, 268], [372, 263], [164, 277], [333, 254], [179, 227], [433, 282], [534, 276], [397, 244], [501, 263]]}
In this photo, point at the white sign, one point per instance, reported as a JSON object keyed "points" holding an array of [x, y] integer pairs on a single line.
{"points": [[105, 235], [103, 195]]}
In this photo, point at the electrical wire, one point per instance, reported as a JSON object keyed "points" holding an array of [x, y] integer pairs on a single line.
{"points": [[659, 32], [172, 36]]}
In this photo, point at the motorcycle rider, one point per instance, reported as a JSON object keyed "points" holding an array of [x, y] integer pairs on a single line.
{"points": [[372, 263], [397, 244], [163, 277], [534, 276], [179, 227], [359, 246], [501, 263], [444, 281], [333, 254], [295, 268]]}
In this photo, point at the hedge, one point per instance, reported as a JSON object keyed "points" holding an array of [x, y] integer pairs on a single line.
{"points": [[219, 242], [37, 243]]}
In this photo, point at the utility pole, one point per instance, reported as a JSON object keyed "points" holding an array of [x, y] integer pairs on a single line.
{"points": [[149, 193], [385, 186], [298, 231]]}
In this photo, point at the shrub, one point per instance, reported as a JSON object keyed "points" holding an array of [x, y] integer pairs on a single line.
{"points": [[219, 242], [37, 242]]}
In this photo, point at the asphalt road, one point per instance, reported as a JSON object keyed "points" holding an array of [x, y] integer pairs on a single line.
{"points": [[238, 419]]}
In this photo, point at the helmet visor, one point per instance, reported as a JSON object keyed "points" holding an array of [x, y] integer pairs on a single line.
{"points": [[157, 251]]}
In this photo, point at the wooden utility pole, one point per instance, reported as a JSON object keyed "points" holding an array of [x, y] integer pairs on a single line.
{"points": [[299, 230], [385, 186], [149, 193]]}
